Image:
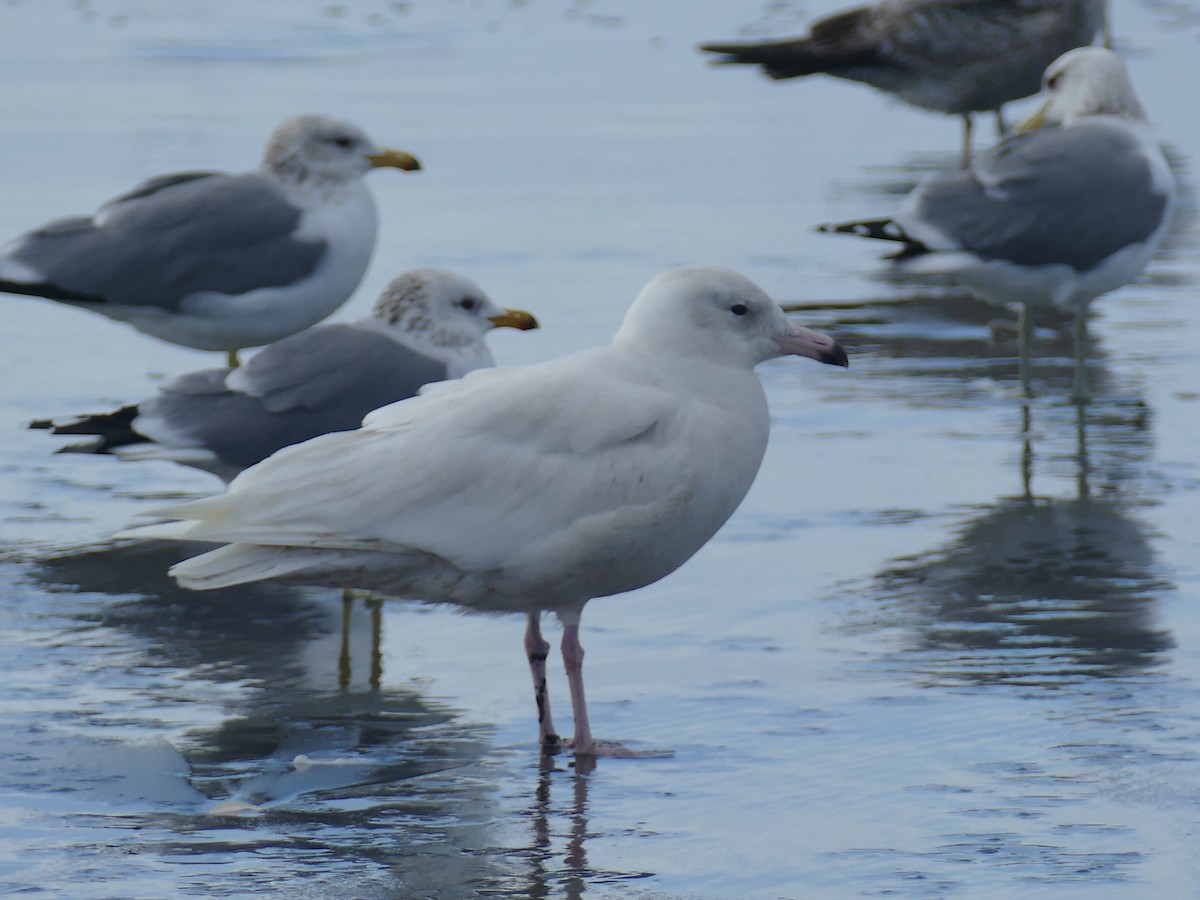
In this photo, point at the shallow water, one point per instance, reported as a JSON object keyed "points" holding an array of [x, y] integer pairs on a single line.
{"points": [[949, 646]]}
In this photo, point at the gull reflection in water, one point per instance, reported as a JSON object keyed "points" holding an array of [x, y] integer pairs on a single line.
{"points": [[960, 347], [1042, 589], [556, 856]]}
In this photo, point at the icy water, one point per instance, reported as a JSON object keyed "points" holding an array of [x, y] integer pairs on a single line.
{"points": [[948, 647]]}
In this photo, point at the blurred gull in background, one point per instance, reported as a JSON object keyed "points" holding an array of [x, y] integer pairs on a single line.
{"points": [[952, 56], [1054, 216], [215, 261], [428, 325]]}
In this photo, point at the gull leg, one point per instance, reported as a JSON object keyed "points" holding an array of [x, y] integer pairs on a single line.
{"points": [[231, 359], [583, 743], [1108, 35], [572, 653], [1080, 392], [1025, 342], [375, 605], [1082, 485], [344, 669], [968, 126], [1027, 451], [1001, 125], [537, 649]]}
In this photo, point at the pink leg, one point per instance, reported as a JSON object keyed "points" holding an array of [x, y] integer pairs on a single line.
{"points": [[583, 743], [572, 653], [537, 649]]}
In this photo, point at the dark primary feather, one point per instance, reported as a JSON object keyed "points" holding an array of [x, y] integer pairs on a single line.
{"points": [[879, 230], [168, 238], [111, 430], [876, 229], [839, 41]]}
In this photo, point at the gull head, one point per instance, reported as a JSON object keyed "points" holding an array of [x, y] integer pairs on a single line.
{"points": [[323, 148], [721, 316], [1086, 81], [444, 315]]}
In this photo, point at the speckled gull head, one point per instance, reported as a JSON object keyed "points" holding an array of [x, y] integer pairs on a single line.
{"points": [[443, 315], [320, 148], [720, 315], [1088, 81]]}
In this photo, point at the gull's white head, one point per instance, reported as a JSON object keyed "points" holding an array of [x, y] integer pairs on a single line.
{"points": [[1086, 81], [444, 315], [322, 148], [719, 315]]}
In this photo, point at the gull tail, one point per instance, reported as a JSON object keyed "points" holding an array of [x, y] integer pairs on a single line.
{"points": [[876, 229], [779, 59], [47, 291], [879, 230], [110, 430], [842, 41]]}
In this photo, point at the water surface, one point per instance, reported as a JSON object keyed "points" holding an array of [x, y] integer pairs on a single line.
{"points": [[947, 647]]}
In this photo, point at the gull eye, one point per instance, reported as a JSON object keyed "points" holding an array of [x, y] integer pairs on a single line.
{"points": [[468, 303], [1052, 81], [739, 309], [343, 141]]}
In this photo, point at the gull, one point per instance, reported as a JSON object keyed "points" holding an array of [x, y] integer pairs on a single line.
{"points": [[952, 56], [215, 261], [428, 325], [525, 489], [1053, 216]]}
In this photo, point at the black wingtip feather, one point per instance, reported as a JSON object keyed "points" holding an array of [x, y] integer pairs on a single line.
{"points": [[876, 229], [47, 291], [111, 430], [779, 59], [879, 230]]}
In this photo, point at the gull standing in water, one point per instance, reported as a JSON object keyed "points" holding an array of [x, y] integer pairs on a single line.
{"points": [[952, 56], [1054, 216], [527, 488], [428, 325], [215, 261]]}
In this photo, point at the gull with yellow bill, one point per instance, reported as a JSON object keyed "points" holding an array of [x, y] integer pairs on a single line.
{"points": [[1071, 207], [216, 261], [428, 325]]}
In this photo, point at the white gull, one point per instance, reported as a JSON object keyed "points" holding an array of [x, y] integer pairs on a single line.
{"points": [[528, 488]]}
